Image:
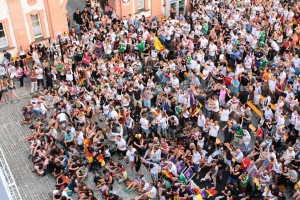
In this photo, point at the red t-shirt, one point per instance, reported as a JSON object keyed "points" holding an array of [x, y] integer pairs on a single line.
{"points": [[245, 163], [228, 81]]}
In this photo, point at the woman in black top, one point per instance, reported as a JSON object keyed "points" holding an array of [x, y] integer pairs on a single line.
{"points": [[185, 193], [137, 162]]}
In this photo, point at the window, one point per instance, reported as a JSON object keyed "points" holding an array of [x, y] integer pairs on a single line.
{"points": [[141, 5], [36, 26], [3, 39]]}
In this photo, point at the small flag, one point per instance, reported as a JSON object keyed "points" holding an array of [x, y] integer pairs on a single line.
{"points": [[158, 45]]}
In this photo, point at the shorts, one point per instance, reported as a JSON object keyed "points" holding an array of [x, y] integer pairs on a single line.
{"points": [[120, 152], [266, 163], [211, 138], [37, 112], [220, 173], [237, 140], [62, 122], [147, 131], [232, 180], [22, 56], [196, 167], [154, 176]]}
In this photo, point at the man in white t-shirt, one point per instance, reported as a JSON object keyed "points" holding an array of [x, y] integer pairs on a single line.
{"points": [[212, 48], [205, 73], [203, 43], [145, 124], [130, 157], [79, 138], [213, 131], [121, 145], [62, 119], [224, 116], [40, 76], [174, 81]]}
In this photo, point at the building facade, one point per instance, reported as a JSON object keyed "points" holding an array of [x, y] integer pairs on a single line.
{"points": [[148, 8], [23, 22]]}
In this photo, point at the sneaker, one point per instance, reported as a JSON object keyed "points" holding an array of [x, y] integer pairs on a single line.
{"points": [[127, 161], [29, 156], [121, 180], [202, 179], [240, 195]]}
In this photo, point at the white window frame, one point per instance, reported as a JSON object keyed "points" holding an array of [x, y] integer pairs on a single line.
{"points": [[141, 4], [3, 40], [37, 28]]}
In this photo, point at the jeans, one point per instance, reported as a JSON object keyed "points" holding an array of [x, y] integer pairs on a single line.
{"points": [[147, 103], [27, 80], [40, 81], [33, 87], [211, 57], [21, 81]]}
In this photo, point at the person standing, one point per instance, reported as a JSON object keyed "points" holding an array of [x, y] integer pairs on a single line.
{"points": [[49, 80], [11, 90], [244, 178], [214, 173], [33, 80], [40, 76]]}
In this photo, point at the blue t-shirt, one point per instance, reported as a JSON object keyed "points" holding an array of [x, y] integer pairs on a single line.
{"points": [[236, 83], [68, 137]]}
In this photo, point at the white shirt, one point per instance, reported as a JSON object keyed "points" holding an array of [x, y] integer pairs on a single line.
{"points": [[130, 154], [212, 49], [175, 82], [121, 143], [201, 120], [246, 138], [275, 46], [144, 123], [39, 73], [214, 131], [205, 74], [196, 158], [203, 42], [114, 114], [224, 115], [264, 179], [80, 138], [268, 113], [62, 117]]}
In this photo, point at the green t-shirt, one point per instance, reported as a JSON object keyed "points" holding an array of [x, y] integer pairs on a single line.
{"points": [[141, 46], [239, 132], [264, 62], [204, 28], [245, 181], [122, 48], [262, 36], [237, 43], [178, 110], [59, 68]]}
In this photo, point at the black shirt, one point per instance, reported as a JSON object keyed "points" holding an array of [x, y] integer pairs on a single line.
{"points": [[137, 94], [184, 192], [244, 80], [77, 18], [274, 192], [239, 60], [258, 55], [57, 169], [243, 96], [49, 78]]}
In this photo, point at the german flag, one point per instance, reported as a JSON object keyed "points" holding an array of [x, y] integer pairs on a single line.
{"points": [[89, 155]]}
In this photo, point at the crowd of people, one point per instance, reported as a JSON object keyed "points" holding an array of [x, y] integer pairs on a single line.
{"points": [[215, 89]]}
